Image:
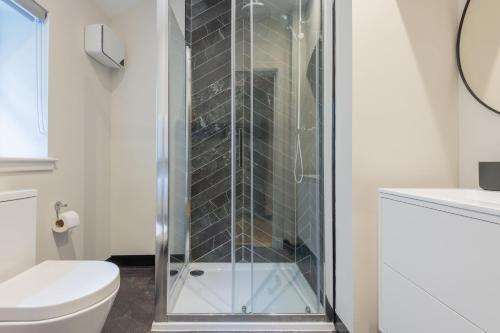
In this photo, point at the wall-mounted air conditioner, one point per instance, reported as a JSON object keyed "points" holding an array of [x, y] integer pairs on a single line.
{"points": [[102, 44]]}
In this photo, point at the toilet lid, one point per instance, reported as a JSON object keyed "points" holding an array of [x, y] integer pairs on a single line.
{"points": [[57, 288]]}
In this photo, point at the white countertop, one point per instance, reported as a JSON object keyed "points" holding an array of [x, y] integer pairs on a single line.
{"points": [[477, 200]]}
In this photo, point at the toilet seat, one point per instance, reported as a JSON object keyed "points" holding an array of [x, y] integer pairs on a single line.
{"points": [[56, 288]]}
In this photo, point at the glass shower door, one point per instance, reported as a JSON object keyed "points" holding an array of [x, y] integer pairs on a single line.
{"points": [[278, 264]]}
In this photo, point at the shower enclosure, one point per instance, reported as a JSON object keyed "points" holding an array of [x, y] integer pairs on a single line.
{"points": [[242, 116]]}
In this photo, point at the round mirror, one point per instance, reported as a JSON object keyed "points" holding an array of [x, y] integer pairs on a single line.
{"points": [[478, 51]]}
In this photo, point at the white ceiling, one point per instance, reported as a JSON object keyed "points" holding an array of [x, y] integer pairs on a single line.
{"points": [[115, 7]]}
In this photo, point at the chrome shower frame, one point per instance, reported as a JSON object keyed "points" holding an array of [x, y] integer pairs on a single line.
{"points": [[162, 262]]}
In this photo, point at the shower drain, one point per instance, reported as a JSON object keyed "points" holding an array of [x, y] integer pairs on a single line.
{"points": [[197, 272]]}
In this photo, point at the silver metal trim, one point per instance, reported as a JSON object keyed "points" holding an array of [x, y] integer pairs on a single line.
{"points": [[329, 136], [320, 161], [161, 266], [252, 151], [188, 92], [247, 318], [245, 326], [233, 155]]}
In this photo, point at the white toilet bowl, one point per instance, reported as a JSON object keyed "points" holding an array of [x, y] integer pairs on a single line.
{"points": [[59, 297]]}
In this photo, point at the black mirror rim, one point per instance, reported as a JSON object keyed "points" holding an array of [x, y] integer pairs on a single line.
{"points": [[459, 62]]}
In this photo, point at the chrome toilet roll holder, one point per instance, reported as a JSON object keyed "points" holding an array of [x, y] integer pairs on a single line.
{"points": [[58, 206]]}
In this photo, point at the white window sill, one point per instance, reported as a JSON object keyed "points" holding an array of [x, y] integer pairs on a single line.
{"points": [[12, 165]]}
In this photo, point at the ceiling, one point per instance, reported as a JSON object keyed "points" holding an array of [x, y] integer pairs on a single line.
{"points": [[115, 7]]}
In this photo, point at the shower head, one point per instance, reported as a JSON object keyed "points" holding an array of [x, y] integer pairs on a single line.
{"points": [[252, 3], [259, 10]]}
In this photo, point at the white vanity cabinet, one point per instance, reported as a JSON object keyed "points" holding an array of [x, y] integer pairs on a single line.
{"points": [[439, 261]]}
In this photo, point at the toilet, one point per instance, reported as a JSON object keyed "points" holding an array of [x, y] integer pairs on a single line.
{"points": [[53, 296]]}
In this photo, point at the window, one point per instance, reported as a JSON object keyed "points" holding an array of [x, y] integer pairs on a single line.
{"points": [[23, 80]]}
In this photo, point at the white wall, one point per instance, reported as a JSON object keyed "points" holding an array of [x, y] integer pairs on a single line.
{"points": [[133, 133], [479, 137], [479, 134], [404, 120], [102, 129], [79, 104]]}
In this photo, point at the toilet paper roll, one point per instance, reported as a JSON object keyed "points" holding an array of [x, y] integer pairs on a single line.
{"points": [[67, 221]]}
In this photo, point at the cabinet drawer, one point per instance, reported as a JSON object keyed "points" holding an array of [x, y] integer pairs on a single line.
{"points": [[453, 258], [408, 309]]}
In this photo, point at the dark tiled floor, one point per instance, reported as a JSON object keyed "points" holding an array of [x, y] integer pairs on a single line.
{"points": [[340, 328], [133, 309]]}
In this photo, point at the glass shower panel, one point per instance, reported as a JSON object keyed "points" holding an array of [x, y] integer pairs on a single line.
{"points": [[284, 159], [245, 161], [309, 248], [178, 143]]}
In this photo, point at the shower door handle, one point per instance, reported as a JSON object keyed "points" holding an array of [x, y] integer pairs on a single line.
{"points": [[240, 143]]}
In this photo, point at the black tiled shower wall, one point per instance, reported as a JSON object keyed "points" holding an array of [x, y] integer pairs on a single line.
{"points": [[309, 246], [208, 32]]}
